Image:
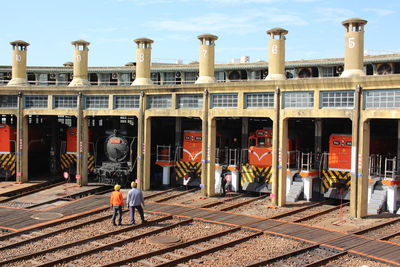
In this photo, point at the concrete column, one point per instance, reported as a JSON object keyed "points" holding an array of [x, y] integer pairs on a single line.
{"points": [[276, 54], [211, 143], [143, 62], [80, 63], [354, 47], [82, 145], [398, 145], [205, 146], [362, 169], [18, 77], [245, 132], [275, 149], [140, 173], [178, 131], [282, 162], [21, 150], [307, 188], [391, 200], [354, 153], [207, 55], [318, 141], [146, 150]]}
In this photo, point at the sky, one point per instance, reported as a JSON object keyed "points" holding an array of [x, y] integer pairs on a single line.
{"points": [[315, 29]]}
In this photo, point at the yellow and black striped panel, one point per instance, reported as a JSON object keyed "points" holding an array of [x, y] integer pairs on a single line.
{"points": [[69, 161], [7, 161], [329, 177], [251, 173], [183, 167]]}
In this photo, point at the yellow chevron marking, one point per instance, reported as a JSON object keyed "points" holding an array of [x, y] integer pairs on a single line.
{"points": [[7, 161], [182, 167], [250, 173], [68, 160], [332, 176]]}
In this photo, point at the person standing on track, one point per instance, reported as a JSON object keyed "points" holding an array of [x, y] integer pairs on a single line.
{"points": [[135, 201], [117, 203]]}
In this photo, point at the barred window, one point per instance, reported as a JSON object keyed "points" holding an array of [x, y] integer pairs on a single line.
{"points": [[95, 102], [189, 101], [382, 98], [298, 99], [190, 77], [158, 101], [259, 100], [337, 99], [65, 101], [224, 100], [8, 101], [126, 102], [35, 101], [169, 78]]}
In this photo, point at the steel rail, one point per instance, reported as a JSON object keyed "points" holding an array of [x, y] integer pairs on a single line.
{"points": [[26, 191], [285, 214], [242, 203], [375, 227], [177, 195], [113, 244], [320, 213], [78, 242], [209, 205], [14, 234], [208, 251], [325, 260], [171, 248], [282, 256]]}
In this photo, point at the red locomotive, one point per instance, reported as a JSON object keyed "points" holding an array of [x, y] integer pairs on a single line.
{"points": [[257, 171], [36, 145], [188, 166], [7, 151], [68, 152]]}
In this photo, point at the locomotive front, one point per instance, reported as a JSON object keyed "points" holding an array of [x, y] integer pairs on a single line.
{"points": [[116, 166]]}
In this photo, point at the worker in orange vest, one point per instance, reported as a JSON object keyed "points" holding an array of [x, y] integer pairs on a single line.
{"points": [[117, 203]]}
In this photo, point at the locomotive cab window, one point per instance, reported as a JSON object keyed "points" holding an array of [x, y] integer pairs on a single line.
{"points": [[252, 141], [261, 141]]}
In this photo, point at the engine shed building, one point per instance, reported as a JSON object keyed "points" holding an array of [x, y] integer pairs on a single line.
{"points": [[355, 87]]}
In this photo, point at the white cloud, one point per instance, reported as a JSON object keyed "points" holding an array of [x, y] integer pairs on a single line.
{"points": [[380, 12], [247, 21], [333, 14]]}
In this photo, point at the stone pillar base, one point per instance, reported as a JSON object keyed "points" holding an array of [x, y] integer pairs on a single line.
{"points": [[352, 73], [18, 82], [142, 81], [79, 82], [275, 76], [205, 79]]}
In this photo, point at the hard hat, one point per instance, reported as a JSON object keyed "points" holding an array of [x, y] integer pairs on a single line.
{"points": [[133, 184], [117, 187]]}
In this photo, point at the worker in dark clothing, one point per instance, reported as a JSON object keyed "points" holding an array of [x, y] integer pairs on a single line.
{"points": [[224, 172], [117, 203], [134, 201]]}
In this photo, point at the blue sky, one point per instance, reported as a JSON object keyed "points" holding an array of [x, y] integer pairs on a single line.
{"points": [[314, 26]]}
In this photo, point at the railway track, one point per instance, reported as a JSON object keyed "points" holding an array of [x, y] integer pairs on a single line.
{"points": [[191, 249], [45, 230], [308, 212], [6, 197], [86, 246], [311, 255]]}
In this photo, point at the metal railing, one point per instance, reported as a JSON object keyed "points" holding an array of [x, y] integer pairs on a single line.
{"points": [[164, 153], [390, 168]]}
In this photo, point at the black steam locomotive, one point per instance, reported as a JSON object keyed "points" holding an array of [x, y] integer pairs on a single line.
{"points": [[116, 159]]}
